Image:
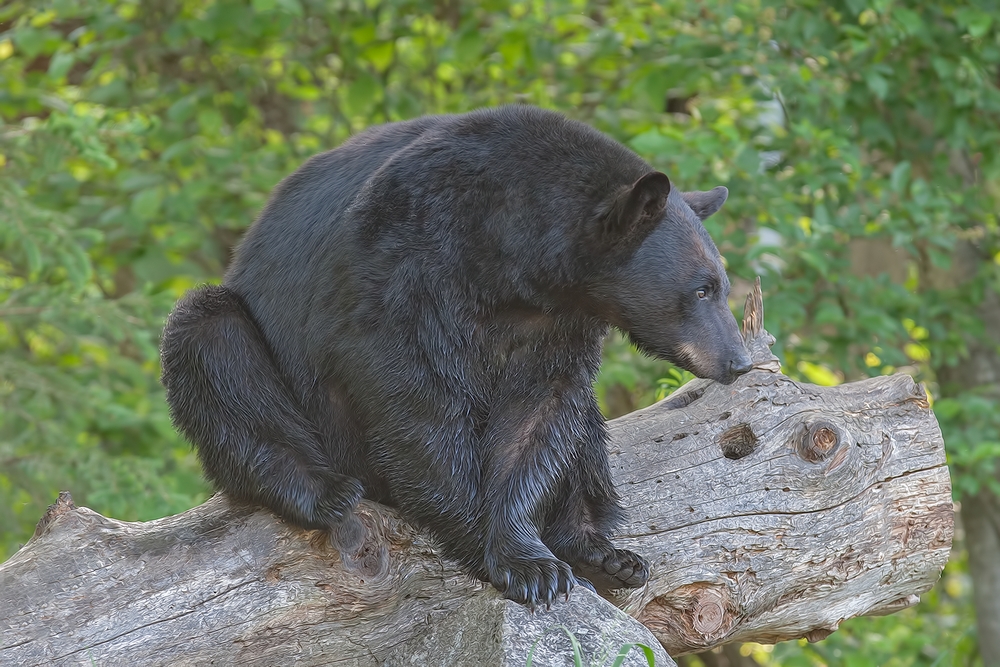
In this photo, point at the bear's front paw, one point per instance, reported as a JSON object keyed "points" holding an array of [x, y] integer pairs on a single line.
{"points": [[620, 568], [532, 581]]}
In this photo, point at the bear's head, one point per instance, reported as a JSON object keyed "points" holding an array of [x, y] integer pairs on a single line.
{"points": [[668, 289]]}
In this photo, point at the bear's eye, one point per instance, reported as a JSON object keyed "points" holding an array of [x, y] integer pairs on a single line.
{"points": [[702, 292]]}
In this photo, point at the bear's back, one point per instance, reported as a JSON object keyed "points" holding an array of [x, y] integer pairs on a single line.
{"points": [[302, 215], [431, 213], [544, 163], [494, 194]]}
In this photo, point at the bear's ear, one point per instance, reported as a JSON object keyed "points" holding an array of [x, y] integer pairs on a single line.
{"points": [[705, 204], [638, 208]]}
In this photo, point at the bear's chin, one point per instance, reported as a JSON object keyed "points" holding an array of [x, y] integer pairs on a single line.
{"points": [[727, 378], [684, 358], [720, 375]]}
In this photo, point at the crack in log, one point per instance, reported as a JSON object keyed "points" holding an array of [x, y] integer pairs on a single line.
{"points": [[156, 622], [817, 510]]}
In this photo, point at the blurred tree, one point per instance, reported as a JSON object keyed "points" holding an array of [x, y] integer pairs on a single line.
{"points": [[859, 140]]}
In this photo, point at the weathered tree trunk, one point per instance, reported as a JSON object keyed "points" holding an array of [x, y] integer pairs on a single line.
{"points": [[769, 510]]}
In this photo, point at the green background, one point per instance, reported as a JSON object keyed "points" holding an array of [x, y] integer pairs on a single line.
{"points": [[860, 141]]}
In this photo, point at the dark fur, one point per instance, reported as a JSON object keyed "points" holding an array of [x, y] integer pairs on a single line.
{"points": [[417, 316]]}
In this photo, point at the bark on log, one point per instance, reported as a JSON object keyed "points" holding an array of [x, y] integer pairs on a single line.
{"points": [[769, 509]]}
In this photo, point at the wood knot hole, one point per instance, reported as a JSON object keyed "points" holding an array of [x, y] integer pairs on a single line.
{"points": [[818, 442], [738, 441]]}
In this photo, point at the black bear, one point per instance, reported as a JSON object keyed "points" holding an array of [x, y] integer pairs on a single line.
{"points": [[417, 317]]}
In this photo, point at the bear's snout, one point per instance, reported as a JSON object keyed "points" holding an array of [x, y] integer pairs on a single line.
{"points": [[740, 365]]}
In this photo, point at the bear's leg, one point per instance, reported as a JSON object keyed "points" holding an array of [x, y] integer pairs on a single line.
{"points": [[228, 397], [587, 511], [527, 457], [577, 532]]}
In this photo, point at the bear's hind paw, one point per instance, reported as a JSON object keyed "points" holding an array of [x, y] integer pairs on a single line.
{"points": [[620, 568]]}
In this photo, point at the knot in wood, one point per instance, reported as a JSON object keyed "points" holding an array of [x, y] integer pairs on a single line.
{"points": [[692, 617], [738, 441], [818, 442], [708, 616]]}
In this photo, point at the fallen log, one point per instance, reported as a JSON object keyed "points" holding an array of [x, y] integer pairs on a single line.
{"points": [[769, 510]]}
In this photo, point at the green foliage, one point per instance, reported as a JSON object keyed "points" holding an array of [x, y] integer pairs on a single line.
{"points": [[971, 426], [859, 139]]}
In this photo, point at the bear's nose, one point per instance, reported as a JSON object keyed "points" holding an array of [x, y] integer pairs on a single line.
{"points": [[740, 365]]}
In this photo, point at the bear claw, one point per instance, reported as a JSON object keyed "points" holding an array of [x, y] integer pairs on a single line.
{"points": [[533, 582]]}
